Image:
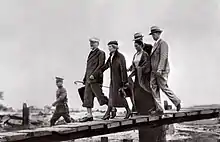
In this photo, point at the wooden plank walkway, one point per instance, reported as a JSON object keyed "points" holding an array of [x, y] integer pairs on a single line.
{"points": [[100, 127]]}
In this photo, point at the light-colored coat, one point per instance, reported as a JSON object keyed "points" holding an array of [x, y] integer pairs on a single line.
{"points": [[159, 57]]}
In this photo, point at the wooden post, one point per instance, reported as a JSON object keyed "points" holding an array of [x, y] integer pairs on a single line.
{"points": [[25, 114], [104, 139]]}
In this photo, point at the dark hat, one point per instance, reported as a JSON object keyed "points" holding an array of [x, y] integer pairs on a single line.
{"points": [[94, 39], [138, 36], [113, 42], [59, 79], [155, 29]]}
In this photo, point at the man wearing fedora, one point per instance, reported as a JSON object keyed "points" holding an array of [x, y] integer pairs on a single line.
{"points": [[160, 69], [93, 79], [147, 47]]}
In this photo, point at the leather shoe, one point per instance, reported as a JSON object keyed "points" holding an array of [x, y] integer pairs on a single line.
{"points": [[85, 119], [178, 107]]}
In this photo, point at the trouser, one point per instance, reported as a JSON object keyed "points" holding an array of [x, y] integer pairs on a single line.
{"points": [[61, 110], [91, 90], [161, 82]]}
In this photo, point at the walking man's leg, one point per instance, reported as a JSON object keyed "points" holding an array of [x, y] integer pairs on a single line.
{"points": [[97, 90], [155, 91], [88, 103], [54, 118], [162, 82]]}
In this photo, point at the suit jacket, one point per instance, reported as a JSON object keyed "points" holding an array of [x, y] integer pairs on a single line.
{"points": [[159, 57], [147, 48], [95, 61]]}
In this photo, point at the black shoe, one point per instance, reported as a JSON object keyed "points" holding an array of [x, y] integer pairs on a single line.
{"points": [[178, 107], [156, 112], [128, 114], [113, 112], [85, 119], [106, 117]]}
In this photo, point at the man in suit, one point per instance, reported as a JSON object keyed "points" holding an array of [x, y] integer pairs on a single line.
{"points": [[93, 79], [147, 47], [160, 69]]}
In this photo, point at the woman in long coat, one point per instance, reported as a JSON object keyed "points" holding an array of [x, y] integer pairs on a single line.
{"points": [[143, 98], [119, 79]]}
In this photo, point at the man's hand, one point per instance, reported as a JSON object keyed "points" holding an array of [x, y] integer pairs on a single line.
{"points": [[91, 77], [159, 72]]}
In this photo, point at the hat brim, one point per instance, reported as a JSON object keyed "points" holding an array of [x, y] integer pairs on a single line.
{"points": [[156, 31], [139, 38]]}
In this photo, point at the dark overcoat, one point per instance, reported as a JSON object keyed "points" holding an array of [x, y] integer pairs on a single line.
{"points": [[144, 101], [118, 79], [95, 61]]}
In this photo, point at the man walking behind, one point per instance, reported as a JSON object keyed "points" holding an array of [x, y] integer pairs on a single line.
{"points": [[160, 70]]}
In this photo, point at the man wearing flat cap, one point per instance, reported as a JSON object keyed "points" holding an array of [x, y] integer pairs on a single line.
{"points": [[60, 103], [93, 79], [160, 69]]}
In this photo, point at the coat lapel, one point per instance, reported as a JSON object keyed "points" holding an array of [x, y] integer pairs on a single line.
{"points": [[155, 47], [142, 59], [92, 54]]}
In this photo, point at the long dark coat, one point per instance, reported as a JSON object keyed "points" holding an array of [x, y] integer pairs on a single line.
{"points": [[144, 101], [118, 78]]}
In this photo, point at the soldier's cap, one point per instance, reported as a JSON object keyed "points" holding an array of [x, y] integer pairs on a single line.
{"points": [[155, 29], [59, 79], [94, 39], [138, 36], [113, 42]]}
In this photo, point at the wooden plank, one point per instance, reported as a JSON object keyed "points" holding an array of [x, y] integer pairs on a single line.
{"points": [[36, 132], [206, 111], [181, 114], [153, 118], [142, 119], [126, 122], [57, 130], [192, 113], [77, 126], [13, 136], [113, 124]]}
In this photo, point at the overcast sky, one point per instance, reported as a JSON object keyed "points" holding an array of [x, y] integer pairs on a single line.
{"points": [[41, 39]]}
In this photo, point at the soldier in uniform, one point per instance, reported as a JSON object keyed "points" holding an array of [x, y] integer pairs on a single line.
{"points": [[60, 103]]}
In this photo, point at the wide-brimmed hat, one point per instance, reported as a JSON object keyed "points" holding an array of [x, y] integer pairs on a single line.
{"points": [[138, 36], [155, 29]]}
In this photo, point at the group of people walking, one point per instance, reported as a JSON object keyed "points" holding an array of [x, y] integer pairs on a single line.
{"points": [[150, 67]]}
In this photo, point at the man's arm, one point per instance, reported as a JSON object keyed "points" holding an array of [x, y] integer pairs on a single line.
{"points": [[101, 63], [61, 98], [163, 56], [124, 76]]}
